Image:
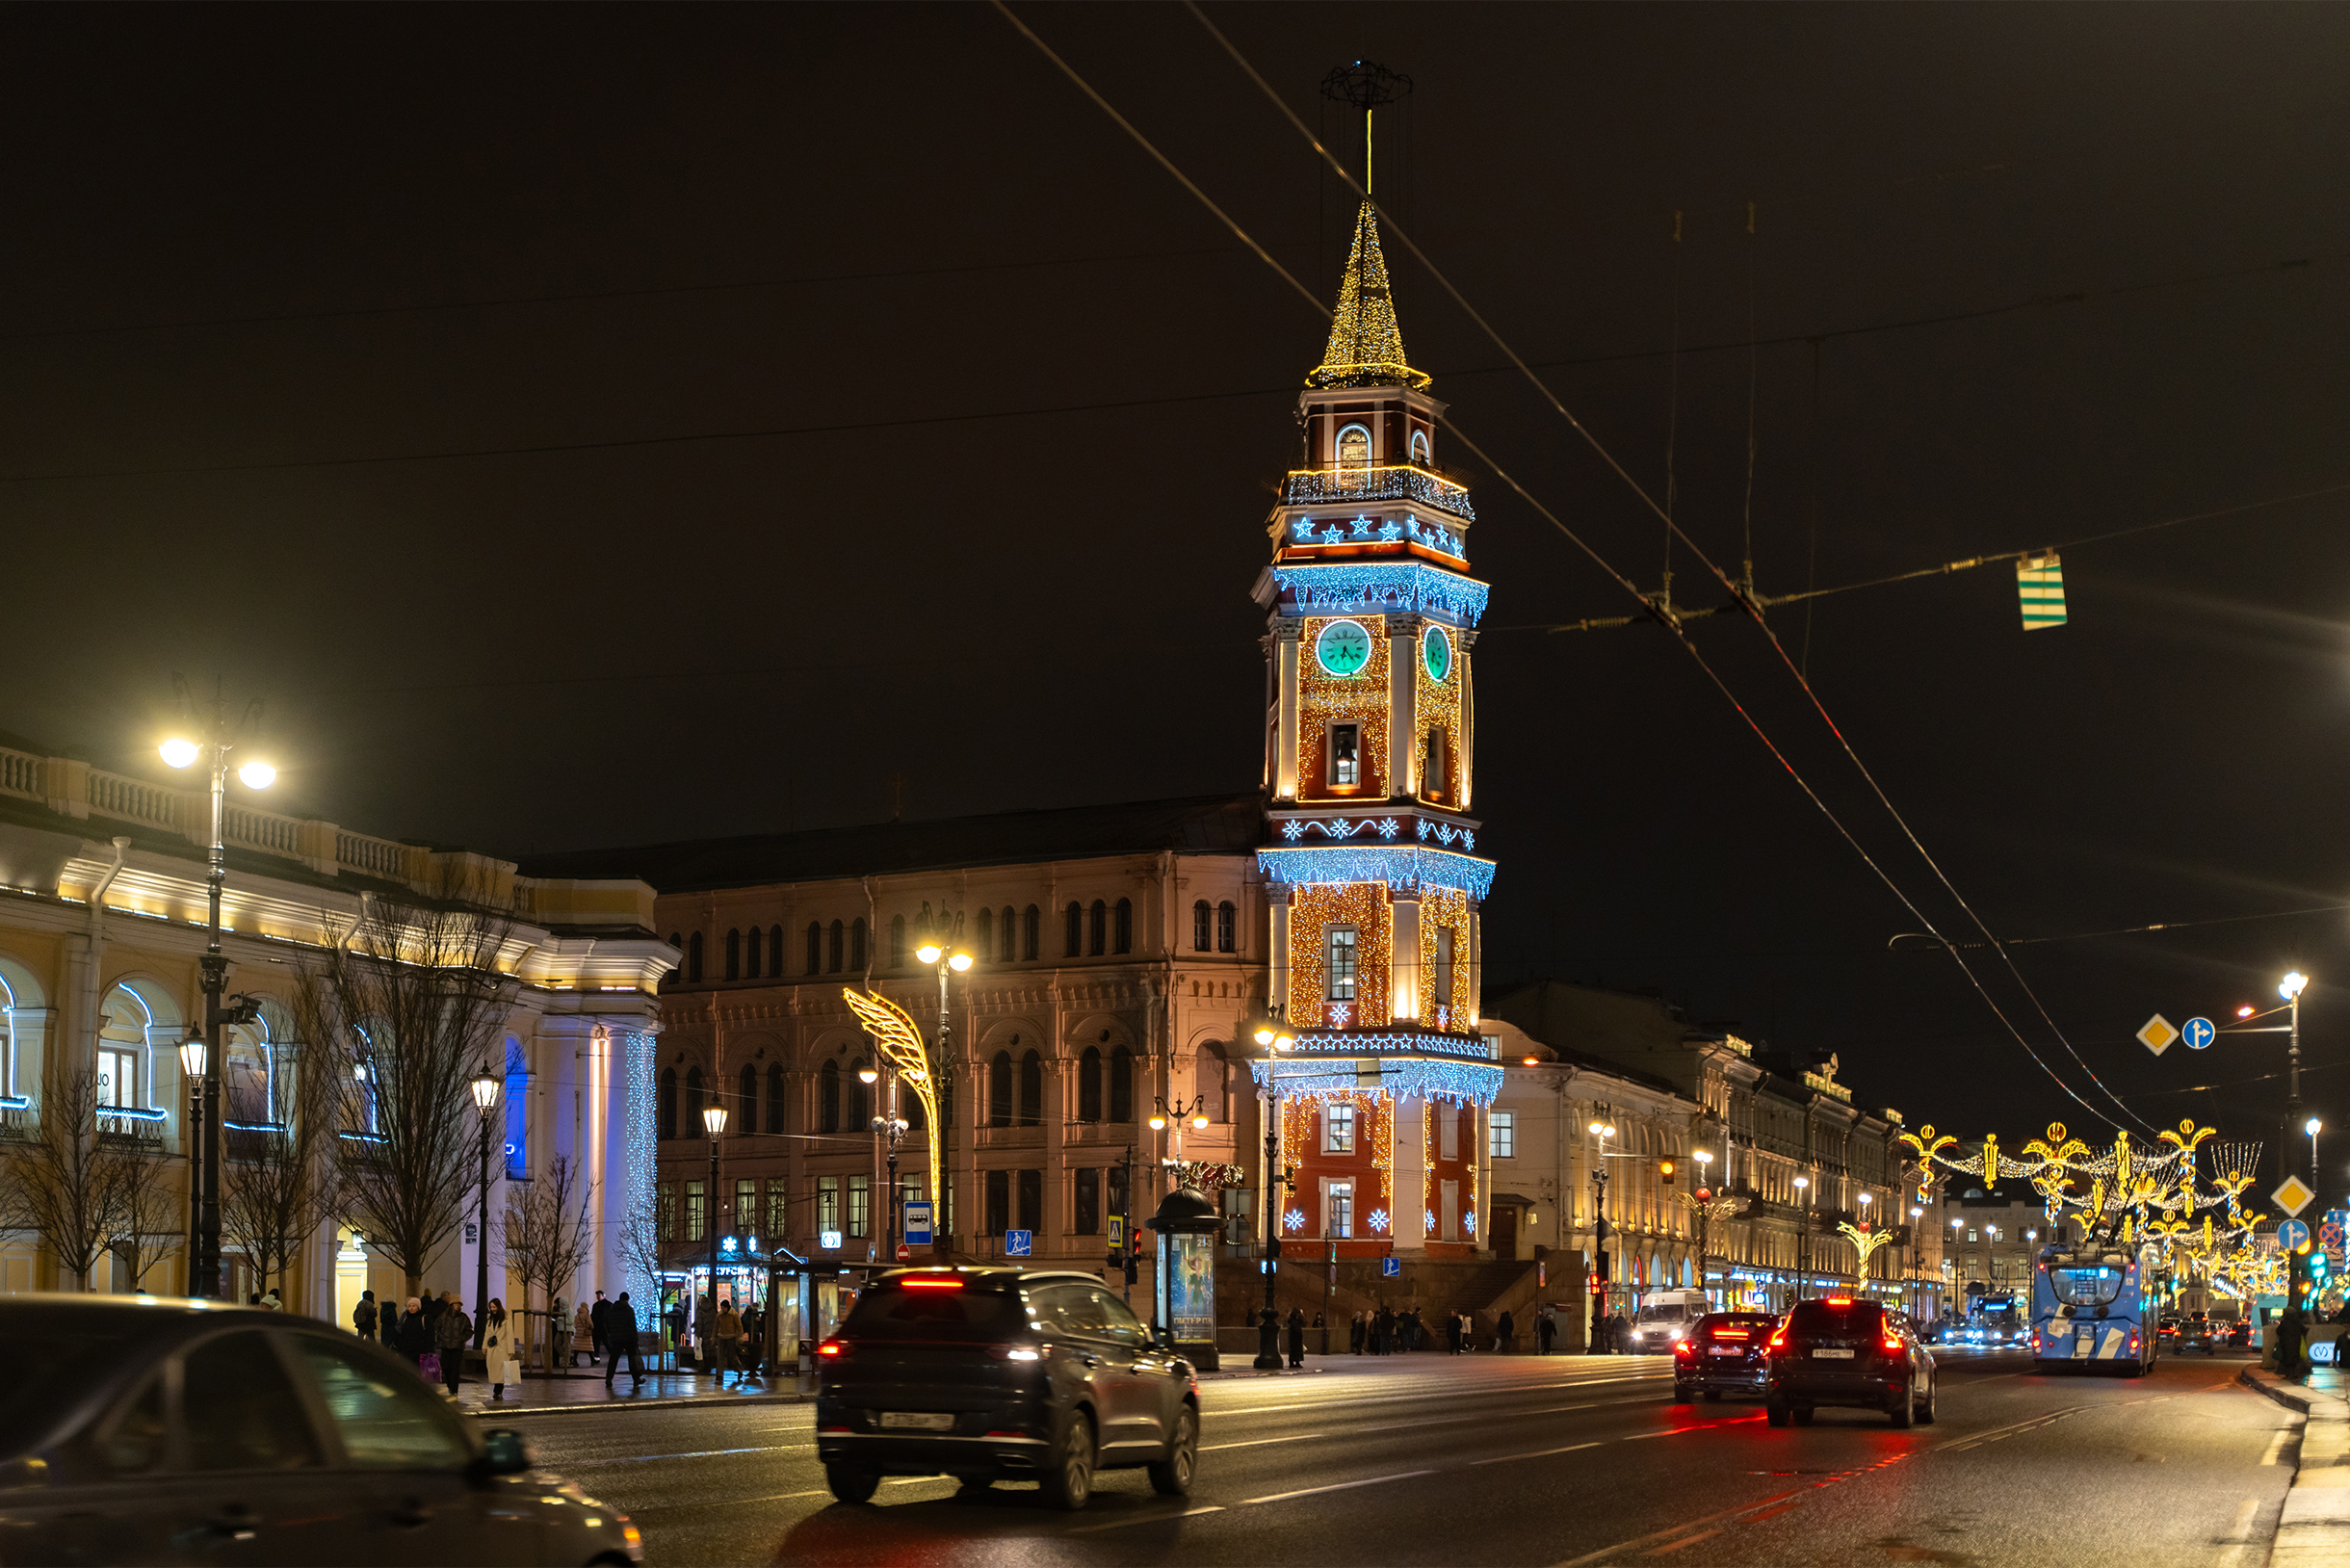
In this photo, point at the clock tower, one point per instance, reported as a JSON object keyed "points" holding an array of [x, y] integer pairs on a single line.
{"points": [[1370, 853]]}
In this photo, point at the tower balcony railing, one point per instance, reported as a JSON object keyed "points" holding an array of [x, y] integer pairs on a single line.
{"points": [[1350, 486]]}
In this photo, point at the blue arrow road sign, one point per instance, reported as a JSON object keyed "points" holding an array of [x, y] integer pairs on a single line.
{"points": [[1390, 1267], [918, 1224], [1016, 1243], [2293, 1236], [2198, 1033]]}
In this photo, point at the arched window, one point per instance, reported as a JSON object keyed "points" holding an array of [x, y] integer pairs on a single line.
{"points": [[750, 955], [832, 951], [1420, 447], [896, 940], [1121, 1084], [664, 1104], [1123, 927], [734, 953], [693, 957], [1097, 929], [1000, 1091], [815, 947], [856, 944], [1207, 1083], [1227, 928], [677, 941], [828, 1097], [1076, 921], [774, 1093], [1089, 1086], [746, 1090], [1031, 1091], [1436, 766], [1354, 447], [774, 950], [1030, 921], [1008, 952], [860, 1102], [984, 932], [1199, 925], [693, 1101]]}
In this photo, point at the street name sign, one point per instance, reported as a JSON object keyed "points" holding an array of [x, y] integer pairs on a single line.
{"points": [[2198, 1033], [1017, 1243], [918, 1223], [2156, 1035], [2292, 1195]]}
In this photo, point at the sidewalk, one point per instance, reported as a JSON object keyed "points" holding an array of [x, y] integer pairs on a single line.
{"points": [[2313, 1532], [584, 1391]]}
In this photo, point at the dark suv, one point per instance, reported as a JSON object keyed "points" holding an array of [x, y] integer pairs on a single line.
{"points": [[1721, 1354], [1844, 1351], [992, 1375]]}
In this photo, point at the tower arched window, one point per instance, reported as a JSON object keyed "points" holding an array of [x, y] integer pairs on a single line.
{"points": [[1031, 1091], [664, 1104], [856, 944], [1227, 927], [1354, 447], [984, 930], [734, 954], [1007, 951], [1122, 929], [774, 1093], [1097, 929], [693, 957], [896, 941], [751, 956], [774, 950], [1121, 1084], [860, 1103], [1029, 934], [815, 947], [1000, 1089], [1420, 447], [909, 1105], [828, 1097], [694, 1098], [1089, 1086], [1436, 766], [1076, 921], [1200, 918], [832, 949]]}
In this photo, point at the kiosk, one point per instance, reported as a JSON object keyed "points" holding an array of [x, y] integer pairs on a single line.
{"points": [[1187, 1226]]}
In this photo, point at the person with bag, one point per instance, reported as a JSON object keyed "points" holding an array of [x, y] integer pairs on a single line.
{"points": [[620, 1337], [363, 1317], [412, 1335], [599, 1340], [587, 1330], [451, 1332], [498, 1363]]}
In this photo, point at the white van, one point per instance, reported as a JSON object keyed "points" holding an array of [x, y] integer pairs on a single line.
{"points": [[1665, 1315]]}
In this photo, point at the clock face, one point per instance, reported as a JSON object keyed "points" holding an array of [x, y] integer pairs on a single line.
{"points": [[1436, 651], [1344, 648]]}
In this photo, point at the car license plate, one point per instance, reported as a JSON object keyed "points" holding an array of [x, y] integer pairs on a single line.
{"points": [[1729, 1352], [920, 1421], [1831, 1355]]}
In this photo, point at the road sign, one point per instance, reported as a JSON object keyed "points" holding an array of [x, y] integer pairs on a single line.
{"points": [[2293, 1236], [1017, 1243], [2156, 1035], [2198, 1033], [1390, 1267], [906, 1254], [1117, 1232], [918, 1223], [829, 1240], [2292, 1195]]}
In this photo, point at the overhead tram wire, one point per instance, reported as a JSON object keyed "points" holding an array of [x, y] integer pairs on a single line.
{"points": [[1607, 458], [1540, 509]]}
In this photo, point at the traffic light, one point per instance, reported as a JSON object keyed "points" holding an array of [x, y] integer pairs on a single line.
{"points": [[1134, 1257], [1664, 1168]]}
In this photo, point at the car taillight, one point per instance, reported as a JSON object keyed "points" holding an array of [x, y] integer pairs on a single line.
{"points": [[1778, 1342], [2035, 1341], [1893, 1346], [832, 1348], [2133, 1343], [1685, 1349], [1018, 1352]]}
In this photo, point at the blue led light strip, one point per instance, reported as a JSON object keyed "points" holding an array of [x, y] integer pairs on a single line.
{"points": [[1381, 587], [1461, 1082], [1403, 868]]}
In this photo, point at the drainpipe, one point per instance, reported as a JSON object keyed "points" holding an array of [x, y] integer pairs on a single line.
{"points": [[95, 945]]}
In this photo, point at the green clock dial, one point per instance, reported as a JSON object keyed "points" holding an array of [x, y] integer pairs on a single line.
{"points": [[1436, 652], [1344, 648]]}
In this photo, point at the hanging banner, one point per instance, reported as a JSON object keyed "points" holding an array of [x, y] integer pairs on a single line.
{"points": [[2040, 585]]}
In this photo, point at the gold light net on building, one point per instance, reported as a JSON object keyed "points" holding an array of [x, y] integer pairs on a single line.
{"points": [[1297, 1127], [1312, 909], [1445, 908], [1438, 703], [1361, 698], [1366, 345], [1427, 1162], [1383, 1153]]}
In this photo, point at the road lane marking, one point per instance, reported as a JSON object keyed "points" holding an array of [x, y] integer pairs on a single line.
{"points": [[1145, 1519], [1670, 1532], [2276, 1445], [1538, 1453], [1418, 1395], [1259, 1442], [2243, 1548], [1686, 1540], [704, 1454], [1334, 1486]]}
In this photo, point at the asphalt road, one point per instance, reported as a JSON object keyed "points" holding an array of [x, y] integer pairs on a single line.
{"points": [[1521, 1460]]}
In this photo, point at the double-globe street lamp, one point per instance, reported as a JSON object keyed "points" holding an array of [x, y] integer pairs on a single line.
{"points": [[1603, 1130], [714, 1122], [219, 738], [485, 1088], [1273, 1037], [944, 953]]}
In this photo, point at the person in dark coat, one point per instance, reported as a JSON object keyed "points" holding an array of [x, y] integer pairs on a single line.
{"points": [[620, 1339], [412, 1335], [1354, 1335], [363, 1317], [1546, 1329], [1453, 1333], [596, 1315], [451, 1332], [1505, 1334], [1297, 1336]]}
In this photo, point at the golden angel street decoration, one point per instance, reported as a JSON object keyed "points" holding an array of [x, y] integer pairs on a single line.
{"points": [[1865, 1241], [900, 1044]]}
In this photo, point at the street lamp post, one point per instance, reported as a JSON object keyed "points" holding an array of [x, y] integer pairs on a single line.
{"points": [[948, 956], [1705, 1217], [179, 751], [714, 1121], [1273, 1037], [1865, 1198], [1803, 1236], [191, 1053], [2290, 988], [486, 1087], [1195, 1112], [1603, 1130]]}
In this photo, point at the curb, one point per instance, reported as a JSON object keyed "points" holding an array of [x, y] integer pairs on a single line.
{"points": [[2313, 1528]]}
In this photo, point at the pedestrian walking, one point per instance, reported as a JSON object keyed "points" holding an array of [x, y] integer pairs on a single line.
{"points": [[559, 1337], [1505, 1334], [451, 1331], [412, 1335], [1297, 1336], [599, 1338], [726, 1343], [754, 1342], [621, 1336], [498, 1363], [586, 1329], [1354, 1335], [1453, 1333], [363, 1315], [1546, 1329]]}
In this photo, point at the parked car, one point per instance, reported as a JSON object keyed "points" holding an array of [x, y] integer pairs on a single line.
{"points": [[139, 1429], [1721, 1354], [1001, 1374], [1841, 1350]]}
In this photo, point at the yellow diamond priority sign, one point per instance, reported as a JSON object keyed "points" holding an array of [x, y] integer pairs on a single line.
{"points": [[2156, 1035], [2293, 1194]]}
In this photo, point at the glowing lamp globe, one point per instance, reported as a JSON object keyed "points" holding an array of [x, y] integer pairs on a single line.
{"points": [[257, 774], [929, 953], [180, 751], [960, 963], [713, 1119]]}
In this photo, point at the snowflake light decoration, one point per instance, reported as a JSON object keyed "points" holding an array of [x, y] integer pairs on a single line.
{"points": [[1378, 1223], [1294, 1220]]}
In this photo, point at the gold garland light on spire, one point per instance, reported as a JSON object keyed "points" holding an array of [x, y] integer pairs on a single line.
{"points": [[1366, 345]]}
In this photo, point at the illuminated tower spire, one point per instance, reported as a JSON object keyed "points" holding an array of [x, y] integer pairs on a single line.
{"points": [[1365, 344]]}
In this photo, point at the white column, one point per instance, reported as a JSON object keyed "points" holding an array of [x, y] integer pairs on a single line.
{"points": [[1277, 993], [1285, 760], [1403, 960], [1407, 1204]]}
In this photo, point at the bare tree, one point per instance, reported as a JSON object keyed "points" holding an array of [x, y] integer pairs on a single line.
{"points": [[415, 1002], [281, 1176], [150, 1212], [546, 1230], [60, 1184]]}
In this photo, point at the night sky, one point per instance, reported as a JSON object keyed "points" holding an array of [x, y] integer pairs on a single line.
{"points": [[888, 412]]}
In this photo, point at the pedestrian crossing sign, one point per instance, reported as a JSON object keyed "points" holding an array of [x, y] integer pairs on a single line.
{"points": [[2040, 585]]}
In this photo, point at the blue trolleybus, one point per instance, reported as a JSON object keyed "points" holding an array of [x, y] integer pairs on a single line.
{"points": [[2094, 1310]]}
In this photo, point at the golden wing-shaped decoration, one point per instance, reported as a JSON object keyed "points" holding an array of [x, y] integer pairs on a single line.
{"points": [[896, 1038]]}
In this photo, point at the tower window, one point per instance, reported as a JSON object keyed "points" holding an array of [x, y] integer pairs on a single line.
{"points": [[1227, 927], [750, 955], [1354, 447], [1076, 922], [1199, 927], [856, 943], [1346, 756], [1097, 929], [832, 952], [1436, 766], [1443, 966], [1338, 968], [1125, 927], [1030, 920], [1420, 447], [1338, 1127], [693, 957], [983, 931]]}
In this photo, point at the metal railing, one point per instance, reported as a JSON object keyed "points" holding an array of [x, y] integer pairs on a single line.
{"points": [[1318, 486]]}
